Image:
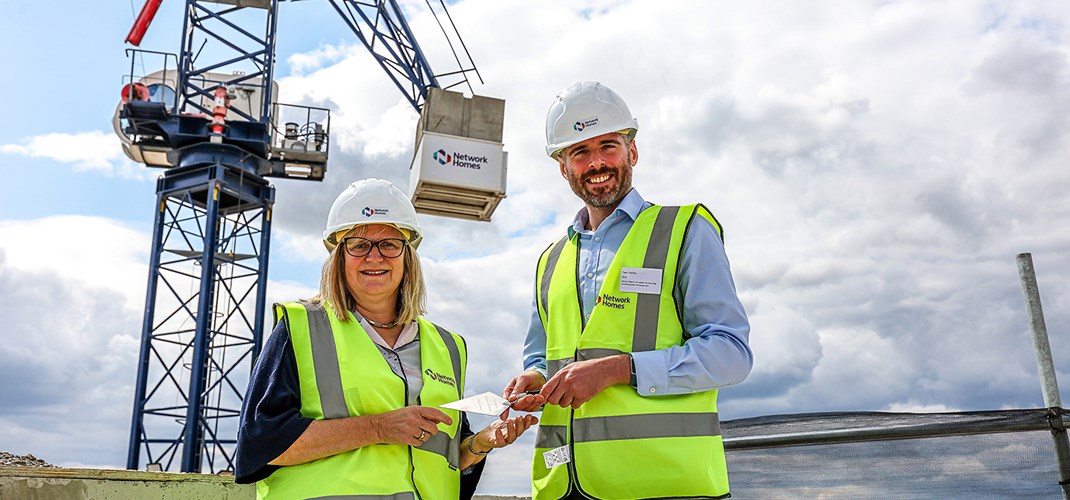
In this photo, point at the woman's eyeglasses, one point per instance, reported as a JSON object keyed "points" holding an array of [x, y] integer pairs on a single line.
{"points": [[359, 247]]}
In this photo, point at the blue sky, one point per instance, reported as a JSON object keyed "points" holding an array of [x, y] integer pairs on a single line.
{"points": [[877, 166]]}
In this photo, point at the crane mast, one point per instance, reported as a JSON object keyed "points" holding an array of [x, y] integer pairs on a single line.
{"points": [[210, 118]]}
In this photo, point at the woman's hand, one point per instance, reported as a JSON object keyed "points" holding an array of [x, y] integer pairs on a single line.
{"points": [[496, 435], [411, 425], [501, 433]]}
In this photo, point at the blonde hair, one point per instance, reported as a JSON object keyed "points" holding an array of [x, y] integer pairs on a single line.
{"points": [[412, 295]]}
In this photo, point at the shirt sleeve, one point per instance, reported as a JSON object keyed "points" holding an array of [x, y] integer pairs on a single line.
{"points": [[716, 352], [535, 342], [270, 419]]}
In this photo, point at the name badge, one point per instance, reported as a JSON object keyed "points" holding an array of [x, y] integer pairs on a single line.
{"points": [[556, 456], [640, 280]]}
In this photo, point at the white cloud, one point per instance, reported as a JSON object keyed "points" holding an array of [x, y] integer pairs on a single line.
{"points": [[73, 289], [310, 61], [71, 340], [87, 252], [911, 407], [93, 151]]}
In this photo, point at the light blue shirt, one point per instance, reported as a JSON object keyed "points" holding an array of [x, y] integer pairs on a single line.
{"points": [[716, 352]]}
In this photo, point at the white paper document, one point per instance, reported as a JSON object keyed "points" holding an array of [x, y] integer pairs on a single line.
{"points": [[487, 403]]}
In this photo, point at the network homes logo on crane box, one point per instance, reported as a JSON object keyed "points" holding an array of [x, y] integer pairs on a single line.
{"points": [[459, 161]]}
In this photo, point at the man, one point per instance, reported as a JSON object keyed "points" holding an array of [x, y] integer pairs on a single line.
{"points": [[635, 324]]}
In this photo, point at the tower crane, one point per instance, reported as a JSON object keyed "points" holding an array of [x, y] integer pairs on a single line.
{"points": [[209, 117]]}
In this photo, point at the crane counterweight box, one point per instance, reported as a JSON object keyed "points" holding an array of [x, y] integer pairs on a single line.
{"points": [[459, 168]]}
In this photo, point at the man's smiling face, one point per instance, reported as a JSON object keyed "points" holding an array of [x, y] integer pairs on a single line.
{"points": [[599, 170]]}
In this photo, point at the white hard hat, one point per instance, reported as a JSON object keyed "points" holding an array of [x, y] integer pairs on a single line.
{"points": [[371, 201], [583, 111]]}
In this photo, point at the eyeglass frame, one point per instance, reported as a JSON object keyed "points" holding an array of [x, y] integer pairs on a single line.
{"points": [[374, 245]]}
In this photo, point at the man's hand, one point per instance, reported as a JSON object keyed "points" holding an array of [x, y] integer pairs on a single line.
{"points": [[580, 381], [530, 380], [411, 425]]}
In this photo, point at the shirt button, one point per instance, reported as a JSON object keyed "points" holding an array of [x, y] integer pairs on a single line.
{"points": [[590, 275], [597, 238], [653, 390]]}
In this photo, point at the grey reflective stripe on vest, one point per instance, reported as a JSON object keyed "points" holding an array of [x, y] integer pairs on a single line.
{"points": [[595, 353], [656, 425], [455, 357], [555, 365], [325, 362], [441, 443], [405, 495], [548, 271], [645, 332], [551, 436]]}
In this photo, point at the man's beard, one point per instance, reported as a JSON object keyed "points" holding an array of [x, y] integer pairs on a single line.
{"points": [[606, 198]]}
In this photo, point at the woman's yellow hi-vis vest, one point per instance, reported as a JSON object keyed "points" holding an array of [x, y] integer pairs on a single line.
{"points": [[342, 373], [623, 445]]}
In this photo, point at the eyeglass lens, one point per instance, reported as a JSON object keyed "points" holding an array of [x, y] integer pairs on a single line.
{"points": [[359, 247]]}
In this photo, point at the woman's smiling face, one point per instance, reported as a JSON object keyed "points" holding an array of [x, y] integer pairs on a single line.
{"points": [[374, 276]]}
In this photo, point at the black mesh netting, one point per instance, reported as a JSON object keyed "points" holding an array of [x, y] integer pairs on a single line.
{"points": [[976, 455]]}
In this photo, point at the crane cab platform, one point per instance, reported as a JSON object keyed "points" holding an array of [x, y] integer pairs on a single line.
{"points": [[153, 119]]}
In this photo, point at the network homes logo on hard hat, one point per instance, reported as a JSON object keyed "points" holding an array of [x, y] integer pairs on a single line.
{"points": [[460, 160], [582, 124], [369, 211], [442, 157]]}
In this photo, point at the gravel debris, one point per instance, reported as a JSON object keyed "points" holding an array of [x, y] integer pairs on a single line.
{"points": [[9, 460]]}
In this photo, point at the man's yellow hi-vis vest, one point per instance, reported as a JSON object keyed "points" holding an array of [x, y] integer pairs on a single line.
{"points": [[341, 374], [623, 445]]}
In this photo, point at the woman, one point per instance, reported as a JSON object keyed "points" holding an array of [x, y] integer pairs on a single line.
{"points": [[343, 399]]}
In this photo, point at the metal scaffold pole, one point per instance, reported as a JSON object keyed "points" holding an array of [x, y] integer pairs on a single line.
{"points": [[1046, 368]]}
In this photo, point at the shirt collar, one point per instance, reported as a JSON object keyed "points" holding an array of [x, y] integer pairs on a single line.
{"points": [[409, 333], [631, 205]]}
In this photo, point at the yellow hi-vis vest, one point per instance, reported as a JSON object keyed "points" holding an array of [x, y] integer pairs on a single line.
{"points": [[623, 445], [342, 373]]}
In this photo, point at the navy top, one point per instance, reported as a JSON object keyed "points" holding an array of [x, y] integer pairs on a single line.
{"points": [[271, 419]]}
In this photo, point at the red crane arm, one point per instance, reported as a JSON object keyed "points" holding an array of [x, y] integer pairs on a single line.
{"points": [[141, 24]]}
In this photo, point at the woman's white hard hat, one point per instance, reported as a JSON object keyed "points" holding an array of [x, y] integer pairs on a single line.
{"points": [[371, 201], [586, 110]]}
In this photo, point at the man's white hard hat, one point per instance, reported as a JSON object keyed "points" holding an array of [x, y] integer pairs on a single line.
{"points": [[371, 201], [583, 111]]}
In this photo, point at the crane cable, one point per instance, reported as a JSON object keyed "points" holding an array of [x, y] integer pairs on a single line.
{"points": [[141, 57], [450, 42]]}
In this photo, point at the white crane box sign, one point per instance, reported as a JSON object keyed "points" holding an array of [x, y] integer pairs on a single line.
{"points": [[459, 161]]}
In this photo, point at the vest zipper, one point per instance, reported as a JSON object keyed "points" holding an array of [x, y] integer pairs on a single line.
{"points": [[573, 476]]}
